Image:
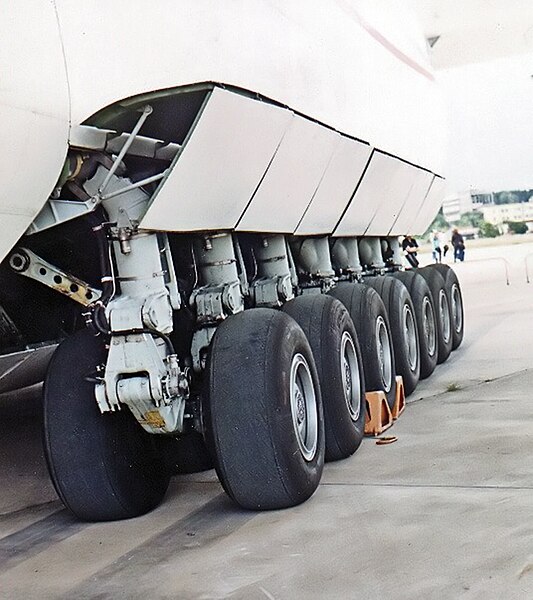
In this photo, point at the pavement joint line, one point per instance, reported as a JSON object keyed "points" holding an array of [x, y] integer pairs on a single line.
{"points": [[469, 386], [432, 485]]}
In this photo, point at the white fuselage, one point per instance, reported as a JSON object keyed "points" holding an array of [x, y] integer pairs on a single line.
{"points": [[357, 66]]}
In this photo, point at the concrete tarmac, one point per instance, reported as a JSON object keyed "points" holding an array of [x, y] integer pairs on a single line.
{"points": [[443, 513]]}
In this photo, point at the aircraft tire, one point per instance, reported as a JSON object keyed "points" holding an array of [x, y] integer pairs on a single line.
{"points": [[425, 319], [443, 311], [456, 297], [187, 454], [331, 334], [263, 410], [103, 466], [371, 321], [403, 328]]}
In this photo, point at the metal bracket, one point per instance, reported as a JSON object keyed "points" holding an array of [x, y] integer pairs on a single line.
{"points": [[154, 388], [272, 292], [56, 212], [146, 111], [215, 303], [167, 263], [27, 263], [200, 343]]}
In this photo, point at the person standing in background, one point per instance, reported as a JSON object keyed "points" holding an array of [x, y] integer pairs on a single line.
{"points": [[442, 243], [458, 244], [410, 247], [435, 244]]}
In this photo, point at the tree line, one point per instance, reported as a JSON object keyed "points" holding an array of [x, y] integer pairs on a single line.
{"points": [[512, 197], [474, 219]]}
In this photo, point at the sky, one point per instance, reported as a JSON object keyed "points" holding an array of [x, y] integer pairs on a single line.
{"points": [[490, 104], [490, 124]]}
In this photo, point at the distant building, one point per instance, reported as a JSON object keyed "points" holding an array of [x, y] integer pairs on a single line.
{"points": [[498, 214], [455, 206], [481, 199]]}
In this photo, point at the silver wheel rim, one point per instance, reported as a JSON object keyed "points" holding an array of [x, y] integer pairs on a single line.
{"points": [[350, 376], [303, 407], [430, 335], [409, 332], [444, 312], [457, 308], [384, 354]]}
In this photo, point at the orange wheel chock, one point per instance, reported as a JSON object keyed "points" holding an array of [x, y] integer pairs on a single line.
{"points": [[378, 414], [379, 417], [399, 402]]}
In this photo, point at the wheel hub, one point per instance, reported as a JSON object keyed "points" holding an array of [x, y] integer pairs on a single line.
{"points": [[444, 313], [457, 308], [429, 326], [384, 354], [350, 376], [304, 409], [300, 403], [409, 331]]}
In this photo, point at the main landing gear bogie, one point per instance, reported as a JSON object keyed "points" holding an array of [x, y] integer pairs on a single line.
{"points": [[271, 385]]}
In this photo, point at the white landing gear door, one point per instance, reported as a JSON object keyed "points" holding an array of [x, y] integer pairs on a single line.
{"points": [[220, 165]]}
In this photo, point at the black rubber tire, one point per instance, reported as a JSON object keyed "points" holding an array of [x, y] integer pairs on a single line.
{"points": [[248, 413], [331, 334], [104, 467], [456, 297], [187, 454], [367, 310], [426, 320], [443, 311], [403, 328]]}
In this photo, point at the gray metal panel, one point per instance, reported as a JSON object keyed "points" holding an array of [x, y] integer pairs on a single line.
{"points": [[292, 178], [220, 166], [431, 205], [20, 369], [340, 180], [386, 178], [411, 208], [84, 136], [411, 188]]}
